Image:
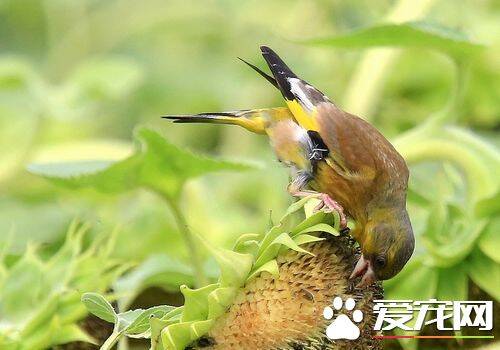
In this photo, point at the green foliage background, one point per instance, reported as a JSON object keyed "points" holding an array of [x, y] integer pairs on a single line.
{"points": [[78, 77]]}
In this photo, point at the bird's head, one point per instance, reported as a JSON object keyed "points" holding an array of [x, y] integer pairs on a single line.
{"points": [[387, 244]]}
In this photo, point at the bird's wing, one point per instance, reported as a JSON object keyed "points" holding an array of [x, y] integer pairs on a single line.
{"points": [[301, 97], [355, 148], [362, 148], [341, 136], [309, 107]]}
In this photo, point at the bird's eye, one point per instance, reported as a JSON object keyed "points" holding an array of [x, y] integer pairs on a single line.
{"points": [[380, 261]]}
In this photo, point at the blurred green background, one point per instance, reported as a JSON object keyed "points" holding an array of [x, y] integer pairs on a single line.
{"points": [[76, 78]]}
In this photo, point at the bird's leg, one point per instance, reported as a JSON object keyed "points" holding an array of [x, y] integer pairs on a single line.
{"points": [[333, 205], [325, 201]]}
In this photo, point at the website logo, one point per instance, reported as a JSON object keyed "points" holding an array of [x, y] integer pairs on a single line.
{"points": [[343, 327], [410, 315]]}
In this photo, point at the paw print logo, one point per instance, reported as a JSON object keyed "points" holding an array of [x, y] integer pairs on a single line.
{"points": [[343, 327]]}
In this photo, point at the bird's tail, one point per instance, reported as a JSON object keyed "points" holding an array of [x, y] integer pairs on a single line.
{"points": [[255, 120]]}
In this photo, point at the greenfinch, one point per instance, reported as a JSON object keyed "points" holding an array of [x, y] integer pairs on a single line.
{"points": [[340, 159]]}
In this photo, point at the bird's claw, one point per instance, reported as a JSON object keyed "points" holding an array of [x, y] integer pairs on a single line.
{"points": [[330, 205]]}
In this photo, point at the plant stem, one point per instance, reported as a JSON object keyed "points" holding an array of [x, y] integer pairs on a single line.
{"points": [[111, 341], [189, 239]]}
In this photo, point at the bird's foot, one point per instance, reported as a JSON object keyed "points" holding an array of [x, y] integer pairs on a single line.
{"points": [[330, 205], [326, 203]]}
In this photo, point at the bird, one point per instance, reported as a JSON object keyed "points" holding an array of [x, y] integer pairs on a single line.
{"points": [[337, 157]]}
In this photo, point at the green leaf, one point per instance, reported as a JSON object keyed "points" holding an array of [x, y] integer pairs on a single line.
{"points": [[310, 206], [61, 266], [285, 240], [243, 239], [177, 336], [158, 270], [156, 164], [319, 217], [273, 248], [321, 228], [200, 328], [125, 319], [136, 323], [489, 206], [166, 166], [219, 300], [269, 237], [104, 176], [247, 244], [438, 216], [274, 232], [249, 247], [234, 266], [481, 167], [411, 34], [296, 206], [195, 302], [70, 169], [484, 272], [157, 325], [416, 197], [304, 239], [175, 314], [22, 289], [39, 299], [478, 160], [460, 241], [97, 305], [489, 242], [270, 266]]}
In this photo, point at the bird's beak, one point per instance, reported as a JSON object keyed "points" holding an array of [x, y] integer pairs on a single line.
{"points": [[363, 268]]}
